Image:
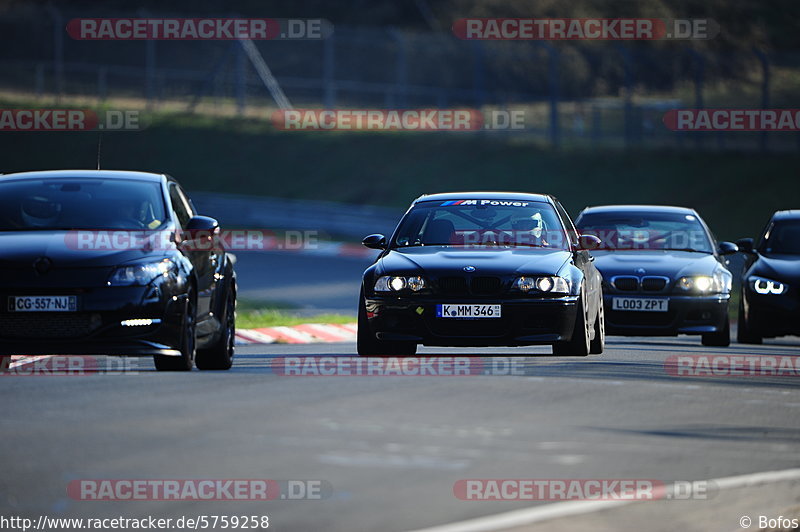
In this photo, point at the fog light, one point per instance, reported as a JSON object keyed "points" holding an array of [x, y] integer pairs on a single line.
{"points": [[139, 323]]}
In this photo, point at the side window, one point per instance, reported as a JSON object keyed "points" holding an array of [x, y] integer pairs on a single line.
{"points": [[180, 205], [567, 221]]}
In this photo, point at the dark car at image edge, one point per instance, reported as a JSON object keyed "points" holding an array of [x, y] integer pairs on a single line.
{"points": [[112, 263], [770, 299]]}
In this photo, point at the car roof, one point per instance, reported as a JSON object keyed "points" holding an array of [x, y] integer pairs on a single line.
{"points": [[516, 196], [792, 214], [637, 208], [86, 174]]}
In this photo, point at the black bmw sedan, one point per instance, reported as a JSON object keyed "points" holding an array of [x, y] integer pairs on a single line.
{"points": [[481, 269], [112, 263], [663, 273], [770, 302]]}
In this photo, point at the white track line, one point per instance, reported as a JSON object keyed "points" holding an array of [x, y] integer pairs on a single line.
{"points": [[547, 512]]}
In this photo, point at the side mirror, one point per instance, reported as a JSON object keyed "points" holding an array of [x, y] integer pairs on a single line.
{"points": [[589, 242], [202, 227], [727, 248], [746, 245], [375, 242]]}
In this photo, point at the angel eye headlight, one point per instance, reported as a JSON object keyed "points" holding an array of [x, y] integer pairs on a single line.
{"points": [[547, 284], [525, 284], [767, 286], [392, 283], [703, 284]]}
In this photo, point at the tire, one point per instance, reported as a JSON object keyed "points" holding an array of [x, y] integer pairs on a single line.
{"points": [[5, 362], [720, 338], [188, 341], [578, 345], [369, 346], [598, 345], [220, 355], [744, 332]]}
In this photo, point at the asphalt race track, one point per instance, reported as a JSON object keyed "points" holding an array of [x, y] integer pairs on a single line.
{"points": [[391, 448], [313, 283]]}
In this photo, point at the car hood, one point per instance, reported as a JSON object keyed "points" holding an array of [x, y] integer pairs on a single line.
{"points": [[779, 267], [65, 250], [442, 260], [670, 264]]}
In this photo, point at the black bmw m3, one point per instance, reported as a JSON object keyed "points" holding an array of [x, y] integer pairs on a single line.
{"points": [[481, 269], [112, 263]]}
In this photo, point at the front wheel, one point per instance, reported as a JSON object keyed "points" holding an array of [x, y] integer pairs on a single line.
{"points": [[369, 346], [598, 345], [188, 341], [721, 338], [744, 330], [220, 355], [579, 344], [5, 362]]}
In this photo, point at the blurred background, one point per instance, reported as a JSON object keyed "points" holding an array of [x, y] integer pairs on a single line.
{"points": [[593, 110]]}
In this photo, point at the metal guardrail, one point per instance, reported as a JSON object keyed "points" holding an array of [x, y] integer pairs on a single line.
{"points": [[338, 219]]}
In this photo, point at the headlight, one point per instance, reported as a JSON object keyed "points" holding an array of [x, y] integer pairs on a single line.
{"points": [[703, 284], [549, 284], [140, 274], [767, 286], [396, 283]]}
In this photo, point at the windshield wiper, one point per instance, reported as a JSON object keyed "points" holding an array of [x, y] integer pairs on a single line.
{"points": [[686, 249]]}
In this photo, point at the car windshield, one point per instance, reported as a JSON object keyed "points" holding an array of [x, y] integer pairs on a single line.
{"points": [[783, 238], [646, 230], [481, 224], [65, 204]]}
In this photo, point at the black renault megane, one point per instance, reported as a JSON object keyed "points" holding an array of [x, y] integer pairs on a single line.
{"points": [[112, 263], [481, 269], [663, 273], [770, 302]]}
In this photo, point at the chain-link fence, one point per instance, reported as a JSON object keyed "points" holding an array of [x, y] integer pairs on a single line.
{"points": [[589, 93]]}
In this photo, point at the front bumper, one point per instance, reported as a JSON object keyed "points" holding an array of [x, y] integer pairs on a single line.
{"points": [[771, 315], [685, 315], [96, 328], [523, 321]]}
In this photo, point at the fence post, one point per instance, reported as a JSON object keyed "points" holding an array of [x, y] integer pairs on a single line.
{"points": [[329, 72], [765, 79], [699, 75], [58, 50], [39, 81], [149, 67], [478, 74], [401, 69], [102, 84], [553, 90], [627, 63], [241, 79]]}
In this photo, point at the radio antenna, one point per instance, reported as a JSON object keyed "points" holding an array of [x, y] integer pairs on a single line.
{"points": [[99, 146]]}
